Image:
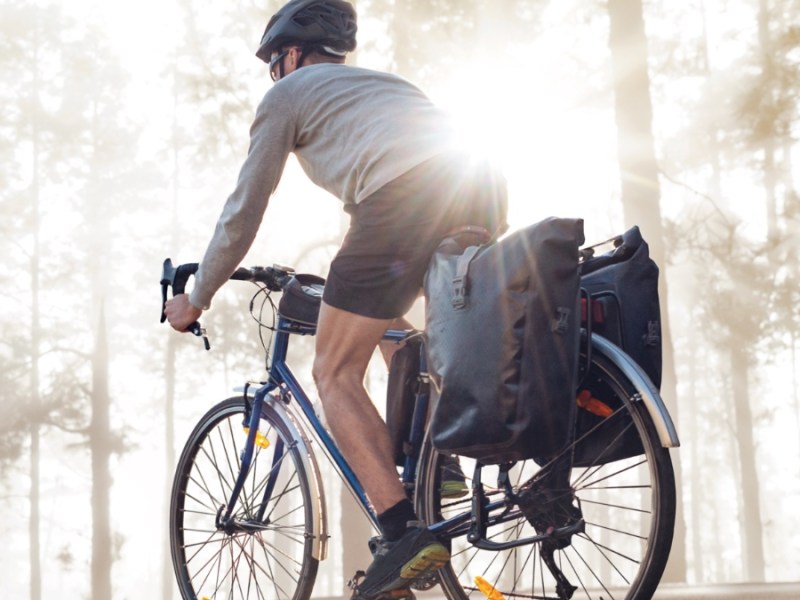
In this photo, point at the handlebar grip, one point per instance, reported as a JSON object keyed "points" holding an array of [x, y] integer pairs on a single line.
{"points": [[176, 278], [182, 274], [242, 274]]}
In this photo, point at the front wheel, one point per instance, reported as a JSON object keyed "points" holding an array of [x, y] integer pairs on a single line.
{"points": [[264, 549], [621, 484]]}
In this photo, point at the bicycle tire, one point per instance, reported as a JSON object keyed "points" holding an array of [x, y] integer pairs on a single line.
{"points": [[266, 551], [623, 550]]}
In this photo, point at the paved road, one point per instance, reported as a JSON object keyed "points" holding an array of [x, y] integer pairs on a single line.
{"points": [[737, 591]]}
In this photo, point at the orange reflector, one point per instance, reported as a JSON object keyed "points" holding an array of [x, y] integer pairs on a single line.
{"points": [[487, 589], [597, 407]]}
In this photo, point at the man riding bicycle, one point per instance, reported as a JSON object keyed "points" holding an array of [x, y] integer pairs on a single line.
{"points": [[380, 145]]}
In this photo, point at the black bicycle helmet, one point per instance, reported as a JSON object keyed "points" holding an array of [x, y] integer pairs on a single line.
{"points": [[327, 26]]}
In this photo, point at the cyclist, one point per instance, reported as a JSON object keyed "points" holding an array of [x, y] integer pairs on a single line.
{"points": [[380, 145]]}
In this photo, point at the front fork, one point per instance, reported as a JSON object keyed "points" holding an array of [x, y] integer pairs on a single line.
{"points": [[253, 406]]}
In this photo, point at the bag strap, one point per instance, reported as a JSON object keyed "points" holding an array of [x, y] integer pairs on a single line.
{"points": [[461, 280], [625, 246]]}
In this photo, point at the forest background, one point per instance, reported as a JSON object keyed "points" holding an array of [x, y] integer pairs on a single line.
{"points": [[122, 128]]}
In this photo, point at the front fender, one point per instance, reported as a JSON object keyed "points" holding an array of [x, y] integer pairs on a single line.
{"points": [[319, 524]]}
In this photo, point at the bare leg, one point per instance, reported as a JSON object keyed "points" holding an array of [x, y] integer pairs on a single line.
{"points": [[345, 343]]}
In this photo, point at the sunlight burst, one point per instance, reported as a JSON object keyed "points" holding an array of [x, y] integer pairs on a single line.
{"points": [[558, 153]]}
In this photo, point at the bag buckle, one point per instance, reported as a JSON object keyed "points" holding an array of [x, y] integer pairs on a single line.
{"points": [[653, 335], [459, 292], [561, 323], [462, 274]]}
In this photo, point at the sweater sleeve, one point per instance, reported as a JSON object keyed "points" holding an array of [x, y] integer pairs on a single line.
{"points": [[272, 138]]}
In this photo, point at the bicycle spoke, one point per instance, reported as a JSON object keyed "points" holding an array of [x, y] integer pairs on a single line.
{"points": [[601, 547], [594, 574], [256, 567], [617, 530], [576, 573], [620, 506], [214, 558], [591, 484]]}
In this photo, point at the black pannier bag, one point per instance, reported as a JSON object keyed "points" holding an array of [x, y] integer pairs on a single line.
{"points": [[620, 302], [401, 391], [503, 333], [622, 287]]}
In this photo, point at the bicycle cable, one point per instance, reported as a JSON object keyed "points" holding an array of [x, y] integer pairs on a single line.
{"points": [[266, 341]]}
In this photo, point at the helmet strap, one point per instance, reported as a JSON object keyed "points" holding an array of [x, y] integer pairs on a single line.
{"points": [[278, 60]]}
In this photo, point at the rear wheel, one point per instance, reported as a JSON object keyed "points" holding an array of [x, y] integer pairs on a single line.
{"points": [[265, 548], [621, 484]]}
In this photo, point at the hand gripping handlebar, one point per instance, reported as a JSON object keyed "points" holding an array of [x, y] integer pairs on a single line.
{"points": [[275, 278], [176, 278]]}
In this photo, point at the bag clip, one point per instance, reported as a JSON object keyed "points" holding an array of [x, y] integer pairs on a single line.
{"points": [[561, 323], [460, 281], [459, 292]]}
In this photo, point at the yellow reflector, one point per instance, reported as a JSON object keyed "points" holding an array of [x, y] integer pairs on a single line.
{"points": [[261, 440]]}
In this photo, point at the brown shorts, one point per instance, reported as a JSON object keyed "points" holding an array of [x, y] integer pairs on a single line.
{"points": [[379, 270]]}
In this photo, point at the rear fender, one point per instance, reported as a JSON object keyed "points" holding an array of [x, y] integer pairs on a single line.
{"points": [[647, 392]]}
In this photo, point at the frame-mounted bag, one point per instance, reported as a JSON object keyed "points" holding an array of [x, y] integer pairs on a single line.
{"points": [[401, 390]]}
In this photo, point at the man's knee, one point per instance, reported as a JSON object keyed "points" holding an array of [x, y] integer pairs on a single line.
{"points": [[329, 377], [320, 372]]}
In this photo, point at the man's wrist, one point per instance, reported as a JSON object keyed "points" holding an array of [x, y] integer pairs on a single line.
{"points": [[195, 303]]}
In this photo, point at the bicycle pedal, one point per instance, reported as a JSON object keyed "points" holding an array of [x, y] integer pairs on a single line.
{"points": [[425, 584], [396, 594], [353, 582]]}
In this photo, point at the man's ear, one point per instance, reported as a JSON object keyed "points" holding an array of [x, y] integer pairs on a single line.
{"points": [[294, 55]]}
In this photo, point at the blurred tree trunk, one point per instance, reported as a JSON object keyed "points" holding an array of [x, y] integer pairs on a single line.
{"points": [[35, 399], [103, 183], [405, 26], [775, 120], [99, 432], [101, 449], [696, 472], [167, 576], [765, 125], [641, 194], [752, 527], [35, 341]]}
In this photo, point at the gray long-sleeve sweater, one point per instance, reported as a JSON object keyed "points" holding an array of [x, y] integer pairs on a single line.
{"points": [[353, 131]]}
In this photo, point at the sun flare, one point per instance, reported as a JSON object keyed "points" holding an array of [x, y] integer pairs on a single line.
{"points": [[557, 151]]}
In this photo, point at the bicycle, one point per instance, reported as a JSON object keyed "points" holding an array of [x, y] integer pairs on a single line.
{"points": [[248, 519]]}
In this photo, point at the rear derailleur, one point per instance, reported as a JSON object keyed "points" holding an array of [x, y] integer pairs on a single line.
{"points": [[551, 511]]}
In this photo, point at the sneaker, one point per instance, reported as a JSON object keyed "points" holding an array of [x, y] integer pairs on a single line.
{"points": [[397, 565], [453, 484]]}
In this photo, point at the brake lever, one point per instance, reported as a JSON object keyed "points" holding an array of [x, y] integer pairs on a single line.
{"points": [[200, 331], [167, 280]]}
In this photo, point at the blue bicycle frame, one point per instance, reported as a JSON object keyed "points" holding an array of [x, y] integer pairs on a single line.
{"points": [[281, 377]]}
